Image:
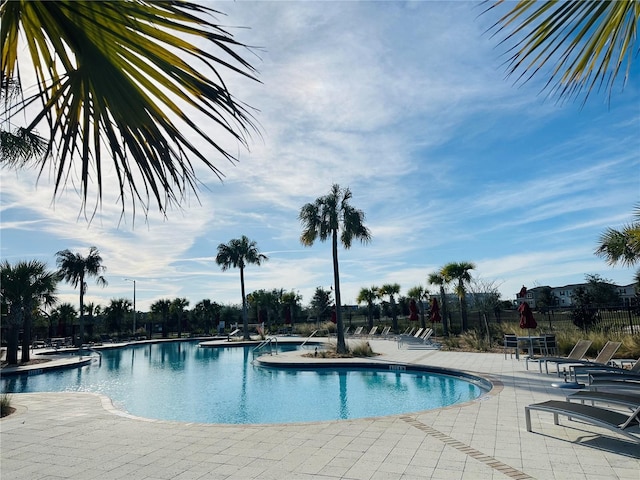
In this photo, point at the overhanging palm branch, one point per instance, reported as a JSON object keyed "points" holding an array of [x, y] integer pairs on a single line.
{"points": [[126, 81], [622, 246], [587, 43]]}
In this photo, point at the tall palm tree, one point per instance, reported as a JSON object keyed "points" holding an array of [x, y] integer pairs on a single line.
{"points": [[588, 44], [75, 269], [123, 81], [436, 278], [622, 246], [368, 296], [419, 294], [391, 290], [25, 287], [325, 218], [239, 253], [459, 271]]}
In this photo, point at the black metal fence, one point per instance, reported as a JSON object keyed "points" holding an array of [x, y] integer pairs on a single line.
{"points": [[610, 319]]}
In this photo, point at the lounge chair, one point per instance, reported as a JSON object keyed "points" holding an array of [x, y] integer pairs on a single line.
{"points": [[233, 334], [404, 336], [578, 352], [357, 332], [615, 421], [630, 400], [629, 382], [385, 332], [423, 341], [604, 357], [372, 332], [605, 369]]}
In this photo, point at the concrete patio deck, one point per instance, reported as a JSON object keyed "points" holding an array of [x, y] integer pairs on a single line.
{"points": [[82, 436]]}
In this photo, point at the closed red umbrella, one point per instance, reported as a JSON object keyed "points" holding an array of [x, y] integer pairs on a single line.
{"points": [[434, 311], [334, 318], [526, 316], [413, 311]]}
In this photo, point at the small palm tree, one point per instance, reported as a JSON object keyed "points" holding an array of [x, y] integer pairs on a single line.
{"points": [[368, 296], [588, 44], [391, 290], [121, 81], [239, 253], [25, 287], [436, 278], [459, 271], [323, 219], [75, 269]]}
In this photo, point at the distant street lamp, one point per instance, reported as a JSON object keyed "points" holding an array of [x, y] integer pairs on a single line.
{"points": [[134, 304]]}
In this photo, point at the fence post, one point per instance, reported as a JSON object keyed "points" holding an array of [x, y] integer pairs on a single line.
{"points": [[630, 319]]}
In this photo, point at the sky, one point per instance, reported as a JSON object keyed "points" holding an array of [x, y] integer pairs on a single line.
{"points": [[407, 104]]}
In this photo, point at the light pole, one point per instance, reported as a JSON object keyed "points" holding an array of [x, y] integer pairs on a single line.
{"points": [[134, 304]]}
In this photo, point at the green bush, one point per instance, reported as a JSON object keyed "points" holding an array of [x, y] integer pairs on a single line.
{"points": [[5, 404]]}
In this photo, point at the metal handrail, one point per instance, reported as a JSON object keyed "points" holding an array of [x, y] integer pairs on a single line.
{"points": [[266, 341], [309, 338]]}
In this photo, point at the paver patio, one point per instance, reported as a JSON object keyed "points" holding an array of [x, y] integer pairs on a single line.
{"points": [[82, 436]]}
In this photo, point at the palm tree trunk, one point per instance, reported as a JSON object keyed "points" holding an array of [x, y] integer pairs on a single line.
{"points": [[81, 336], [445, 313], [342, 346], [245, 316], [394, 316], [370, 315], [26, 336], [12, 345]]}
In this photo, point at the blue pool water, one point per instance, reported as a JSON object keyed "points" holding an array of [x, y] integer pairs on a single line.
{"points": [[182, 381]]}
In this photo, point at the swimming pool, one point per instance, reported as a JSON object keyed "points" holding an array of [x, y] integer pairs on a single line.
{"points": [[184, 382]]}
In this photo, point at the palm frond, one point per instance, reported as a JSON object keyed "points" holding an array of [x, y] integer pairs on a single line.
{"points": [[586, 45], [125, 81]]}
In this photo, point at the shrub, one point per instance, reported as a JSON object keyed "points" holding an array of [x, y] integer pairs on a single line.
{"points": [[361, 349], [5, 405]]}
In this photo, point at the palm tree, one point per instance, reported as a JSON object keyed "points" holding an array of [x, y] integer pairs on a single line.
{"points": [[368, 296], [25, 287], [622, 246], [324, 218], [63, 315], [459, 271], [113, 82], [419, 294], [115, 314], [391, 290], [75, 269], [436, 278], [588, 44], [161, 308], [239, 253], [177, 311]]}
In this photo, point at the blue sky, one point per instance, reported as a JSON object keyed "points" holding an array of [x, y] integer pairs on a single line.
{"points": [[407, 104]]}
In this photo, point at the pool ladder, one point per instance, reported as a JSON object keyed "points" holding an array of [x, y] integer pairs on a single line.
{"points": [[267, 342]]}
